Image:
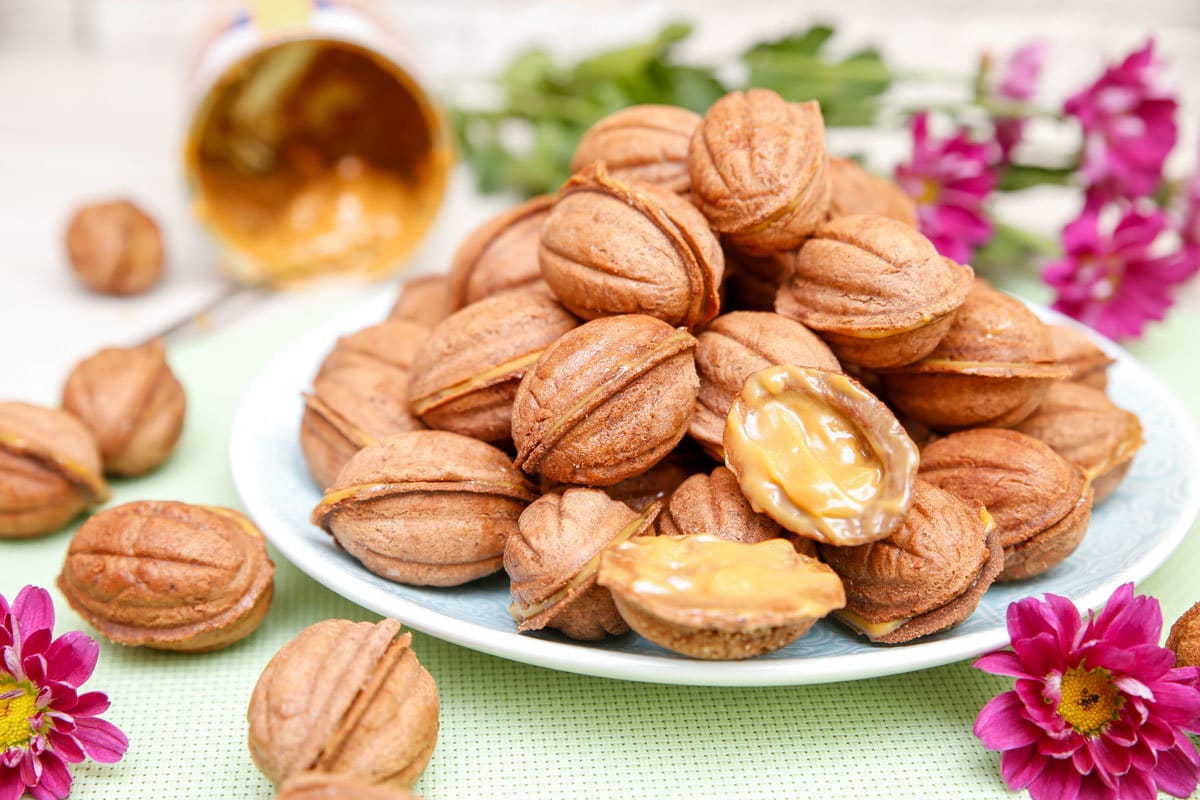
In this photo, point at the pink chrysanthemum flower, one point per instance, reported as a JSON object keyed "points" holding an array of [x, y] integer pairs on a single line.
{"points": [[1099, 711], [1189, 226], [1129, 127], [45, 724], [1116, 280], [949, 180], [1018, 83]]}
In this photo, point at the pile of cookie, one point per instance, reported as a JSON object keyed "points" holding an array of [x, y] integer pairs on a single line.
{"points": [[716, 388]]}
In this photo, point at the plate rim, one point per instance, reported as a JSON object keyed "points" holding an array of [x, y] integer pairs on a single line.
{"points": [[650, 668]]}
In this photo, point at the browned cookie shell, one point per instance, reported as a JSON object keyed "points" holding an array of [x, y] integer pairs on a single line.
{"points": [[875, 289], [465, 374], [168, 575], [552, 561], [133, 404], [927, 576], [115, 248], [50, 470], [606, 401], [1040, 502], [616, 247], [500, 254], [644, 143], [347, 698], [759, 170], [427, 508]]}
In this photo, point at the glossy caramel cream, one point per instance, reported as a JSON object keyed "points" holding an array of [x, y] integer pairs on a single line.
{"points": [[313, 157], [707, 581], [802, 458]]}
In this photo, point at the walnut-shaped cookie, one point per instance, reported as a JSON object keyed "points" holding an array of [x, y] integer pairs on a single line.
{"points": [[349, 698], [759, 170], [500, 254], [465, 374], [875, 289], [168, 575], [1075, 350], [733, 347], [714, 504], [1184, 638], [1081, 424], [133, 404], [711, 598], [1040, 502], [552, 561], [426, 508], [50, 470], [644, 143], [992, 368], [856, 191], [617, 247], [820, 455], [115, 248], [426, 300], [606, 402], [927, 576]]}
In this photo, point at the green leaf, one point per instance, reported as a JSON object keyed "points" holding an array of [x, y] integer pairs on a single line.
{"points": [[794, 66], [807, 42], [1024, 176], [557, 103]]}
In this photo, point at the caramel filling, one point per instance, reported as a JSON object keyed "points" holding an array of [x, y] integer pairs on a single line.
{"points": [[509, 369], [872, 630], [521, 613], [703, 576], [801, 459], [316, 156]]}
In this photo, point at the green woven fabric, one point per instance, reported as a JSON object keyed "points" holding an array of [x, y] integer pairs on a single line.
{"points": [[509, 730]]}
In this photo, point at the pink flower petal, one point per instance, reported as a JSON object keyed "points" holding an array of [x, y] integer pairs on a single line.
{"points": [[34, 611], [1092, 788], [1137, 785], [90, 704], [1040, 654], [31, 769], [1062, 745], [101, 740], [66, 747], [1112, 758], [1058, 781], [11, 785], [1175, 774], [1020, 767], [1003, 662], [1082, 760], [72, 658], [1001, 727], [56, 778]]}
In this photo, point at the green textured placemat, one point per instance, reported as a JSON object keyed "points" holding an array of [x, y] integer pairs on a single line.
{"points": [[509, 730]]}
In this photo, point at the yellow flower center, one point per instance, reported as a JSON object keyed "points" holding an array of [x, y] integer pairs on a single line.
{"points": [[1090, 700], [15, 713], [929, 192]]}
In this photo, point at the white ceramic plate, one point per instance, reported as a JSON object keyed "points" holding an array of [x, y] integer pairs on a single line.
{"points": [[1131, 535]]}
